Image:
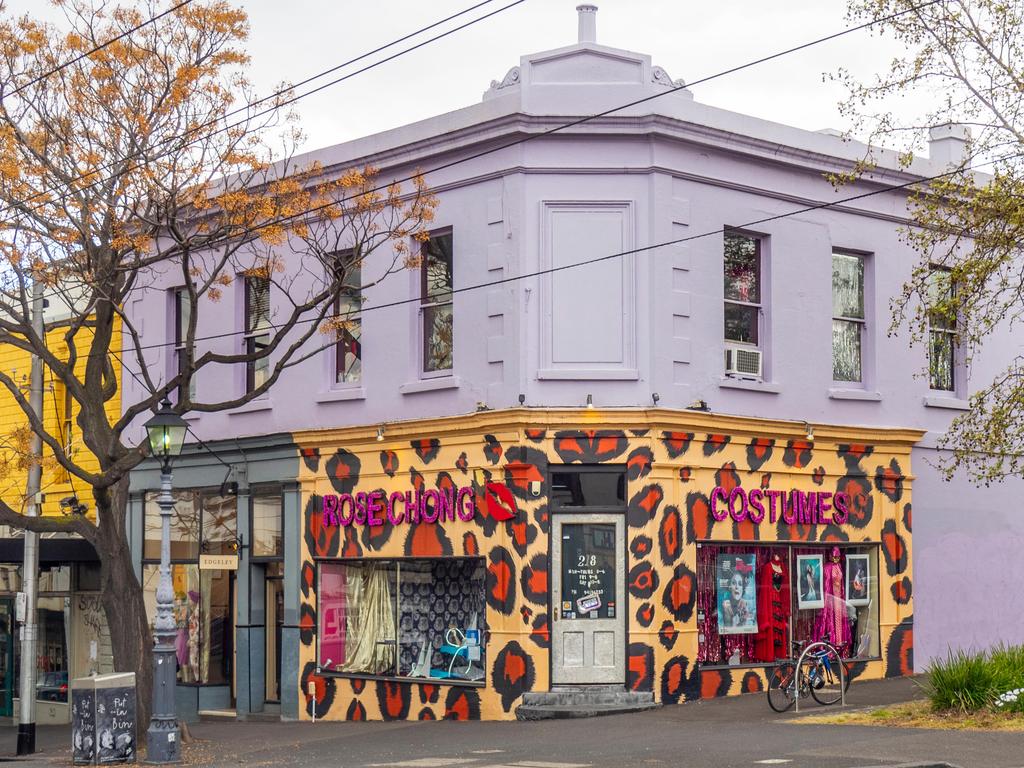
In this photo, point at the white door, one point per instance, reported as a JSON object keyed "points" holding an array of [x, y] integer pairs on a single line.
{"points": [[588, 599]]}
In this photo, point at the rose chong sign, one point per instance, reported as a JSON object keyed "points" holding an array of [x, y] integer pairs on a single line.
{"points": [[416, 506], [806, 508]]}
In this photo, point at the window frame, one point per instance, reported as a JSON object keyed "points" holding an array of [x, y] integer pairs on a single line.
{"points": [[426, 303], [791, 547], [250, 338], [275, 490], [485, 632], [949, 332], [861, 322], [352, 294], [760, 303], [178, 297]]}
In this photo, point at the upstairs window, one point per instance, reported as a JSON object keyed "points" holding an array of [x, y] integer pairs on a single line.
{"points": [[182, 318], [847, 317], [742, 288], [436, 320], [257, 330], [348, 351], [942, 331]]}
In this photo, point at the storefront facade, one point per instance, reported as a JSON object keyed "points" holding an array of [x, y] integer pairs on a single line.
{"points": [[448, 566]]}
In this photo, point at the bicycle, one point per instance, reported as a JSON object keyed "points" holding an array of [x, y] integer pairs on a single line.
{"points": [[820, 676]]}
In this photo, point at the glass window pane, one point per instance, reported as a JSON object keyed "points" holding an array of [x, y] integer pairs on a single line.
{"points": [[266, 526], [184, 526], [437, 338], [220, 524], [438, 269], [257, 304], [941, 361], [441, 619], [349, 352], [741, 323], [217, 631], [187, 615], [54, 628], [940, 293], [588, 489], [742, 268], [846, 607], [55, 578], [588, 571], [846, 350], [847, 285], [357, 617]]}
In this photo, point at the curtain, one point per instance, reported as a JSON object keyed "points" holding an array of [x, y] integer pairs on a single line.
{"points": [[370, 623]]}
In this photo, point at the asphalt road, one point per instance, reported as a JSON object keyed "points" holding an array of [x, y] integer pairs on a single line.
{"points": [[722, 733]]}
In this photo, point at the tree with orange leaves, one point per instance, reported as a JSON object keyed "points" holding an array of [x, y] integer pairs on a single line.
{"points": [[146, 157]]}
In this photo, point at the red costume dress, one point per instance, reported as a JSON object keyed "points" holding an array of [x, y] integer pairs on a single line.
{"points": [[772, 611]]}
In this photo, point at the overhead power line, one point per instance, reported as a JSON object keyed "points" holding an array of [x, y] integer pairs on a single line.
{"points": [[100, 47], [177, 139]]}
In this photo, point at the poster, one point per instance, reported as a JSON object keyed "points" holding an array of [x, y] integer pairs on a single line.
{"points": [[737, 595], [808, 570], [588, 571], [858, 579]]}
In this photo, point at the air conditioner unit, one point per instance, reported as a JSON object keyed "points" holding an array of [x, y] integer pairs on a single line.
{"points": [[743, 362]]}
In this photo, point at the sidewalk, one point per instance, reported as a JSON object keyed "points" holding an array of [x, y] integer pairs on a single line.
{"points": [[737, 731]]}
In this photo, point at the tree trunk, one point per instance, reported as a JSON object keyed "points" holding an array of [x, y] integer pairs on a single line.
{"points": [[130, 637]]}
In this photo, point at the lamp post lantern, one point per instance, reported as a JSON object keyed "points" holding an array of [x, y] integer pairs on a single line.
{"points": [[166, 431]]}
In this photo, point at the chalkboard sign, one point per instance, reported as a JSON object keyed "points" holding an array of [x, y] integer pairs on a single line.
{"points": [[588, 571], [116, 739], [83, 722]]}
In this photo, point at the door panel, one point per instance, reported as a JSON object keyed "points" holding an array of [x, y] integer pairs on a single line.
{"points": [[588, 587], [6, 658]]}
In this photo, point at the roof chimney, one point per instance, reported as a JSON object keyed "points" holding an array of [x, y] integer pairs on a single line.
{"points": [[947, 143], [588, 23]]}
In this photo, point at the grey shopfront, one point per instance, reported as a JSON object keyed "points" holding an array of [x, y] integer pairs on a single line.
{"points": [[234, 572]]}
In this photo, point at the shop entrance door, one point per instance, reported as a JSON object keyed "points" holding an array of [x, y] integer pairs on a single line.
{"points": [[588, 639], [274, 627], [6, 658]]}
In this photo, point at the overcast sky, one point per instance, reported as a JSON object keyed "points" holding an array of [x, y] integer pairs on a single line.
{"points": [[292, 40]]}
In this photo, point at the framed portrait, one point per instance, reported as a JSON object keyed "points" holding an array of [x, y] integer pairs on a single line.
{"points": [[858, 579], [736, 594], [808, 582]]}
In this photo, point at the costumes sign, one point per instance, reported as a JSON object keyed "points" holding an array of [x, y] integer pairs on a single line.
{"points": [[423, 505], [805, 508]]}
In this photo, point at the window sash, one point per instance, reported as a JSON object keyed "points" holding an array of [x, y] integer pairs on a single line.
{"points": [[257, 305], [852, 369], [847, 288], [437, 317], [742, 258], [942, 360], [348, 351]]}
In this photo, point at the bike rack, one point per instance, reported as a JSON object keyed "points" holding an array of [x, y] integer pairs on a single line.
{"points": [[800, 666]]}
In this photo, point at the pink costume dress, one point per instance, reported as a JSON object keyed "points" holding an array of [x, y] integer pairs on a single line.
{"points": [[832, 622]]}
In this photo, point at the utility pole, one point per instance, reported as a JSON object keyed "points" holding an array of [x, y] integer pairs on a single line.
{"points": [[30, 569]]}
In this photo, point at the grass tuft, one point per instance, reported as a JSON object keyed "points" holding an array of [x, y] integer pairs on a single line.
{"points": [[968, 682]]}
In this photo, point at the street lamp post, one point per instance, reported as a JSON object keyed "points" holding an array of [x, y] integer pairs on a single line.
{"points": [[166, 431]]}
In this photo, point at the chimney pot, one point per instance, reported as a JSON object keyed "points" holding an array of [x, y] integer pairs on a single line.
{"points": [[588, 23]]}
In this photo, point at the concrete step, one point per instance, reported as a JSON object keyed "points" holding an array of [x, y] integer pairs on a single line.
{"points": [[582, 701]]}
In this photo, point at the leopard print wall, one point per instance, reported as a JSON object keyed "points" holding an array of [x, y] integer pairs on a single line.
{"points": [[673, 461]]}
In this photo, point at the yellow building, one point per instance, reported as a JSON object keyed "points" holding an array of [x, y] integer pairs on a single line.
{"points": [[73, 639]]}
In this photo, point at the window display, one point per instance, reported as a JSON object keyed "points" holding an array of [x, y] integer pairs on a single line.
{"points": [[753, 599], [408, 618]]}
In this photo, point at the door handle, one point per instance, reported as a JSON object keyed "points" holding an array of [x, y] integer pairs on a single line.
{"points": [[555, 614]]}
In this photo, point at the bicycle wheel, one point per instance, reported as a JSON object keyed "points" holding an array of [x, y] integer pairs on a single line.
{"points": [[830, 670], [782, 687]]}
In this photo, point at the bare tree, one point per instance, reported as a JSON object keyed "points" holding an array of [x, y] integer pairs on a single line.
{"points": [[965, 57], [148, 161]]}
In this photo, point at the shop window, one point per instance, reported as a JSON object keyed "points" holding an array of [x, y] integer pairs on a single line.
{"points": [[436, 319], [753, 600], [348, 351], [257, 331], [184, 526], [942, 331], [220, 524], [409, 618], [266, 526], [203, 626], [848, 322], [573, 487]]}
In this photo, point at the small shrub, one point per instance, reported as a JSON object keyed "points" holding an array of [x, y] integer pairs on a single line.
{"points": [[965, 682], [1008, 664]]}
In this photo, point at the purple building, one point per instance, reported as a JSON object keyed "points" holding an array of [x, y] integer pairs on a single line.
{"points": [[709, 277]]}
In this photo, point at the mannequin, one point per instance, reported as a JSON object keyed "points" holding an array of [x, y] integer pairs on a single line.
{"points": [[833, 622], [773, 606]]}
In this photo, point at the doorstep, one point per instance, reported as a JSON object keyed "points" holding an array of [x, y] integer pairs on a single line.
{"points": [[216, 715]]}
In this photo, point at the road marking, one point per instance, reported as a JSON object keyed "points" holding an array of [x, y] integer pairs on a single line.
{"points": [[536, 764], [487, 751], [426, 762], [772, 761]]}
